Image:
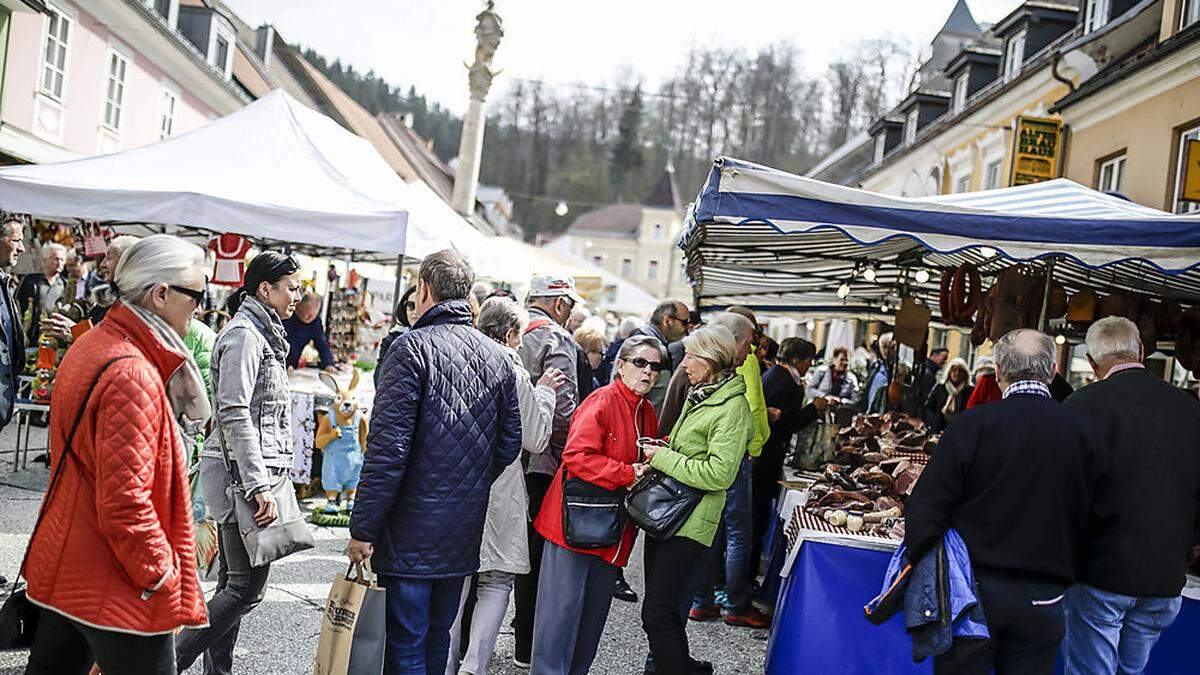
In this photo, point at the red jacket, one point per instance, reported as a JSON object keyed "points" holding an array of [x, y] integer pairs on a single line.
{"points": [[116, 548], [986, 391], [601, 449]]}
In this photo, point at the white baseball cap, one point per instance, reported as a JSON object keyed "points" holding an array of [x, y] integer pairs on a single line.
{"points": [[550, 286]]}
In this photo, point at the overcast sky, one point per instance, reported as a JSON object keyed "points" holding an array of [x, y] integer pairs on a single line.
{"points": [[425, 42]]}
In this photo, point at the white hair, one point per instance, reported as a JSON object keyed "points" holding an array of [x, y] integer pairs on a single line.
{"points": [[7, 225], [629, 326], [157, 259], [53, 247], [498, 316], [120, 244], [741, 327], [1024, 354], [1114, 338]]}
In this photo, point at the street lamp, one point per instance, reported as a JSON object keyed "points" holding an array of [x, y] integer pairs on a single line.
{"points": [[869, 274], [922, 276], [1060, 339], [843, 291], [987, 252], [561, 210]]}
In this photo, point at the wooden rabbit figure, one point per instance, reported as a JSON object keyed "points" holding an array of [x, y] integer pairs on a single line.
{"points": [[341, 441]]}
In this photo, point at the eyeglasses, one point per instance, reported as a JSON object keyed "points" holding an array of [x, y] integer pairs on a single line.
{"points": [[640, 364], [196, 295]]}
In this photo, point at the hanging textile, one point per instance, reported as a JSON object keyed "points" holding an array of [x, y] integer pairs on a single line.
{"points": [[304, 429], [231, 252]]}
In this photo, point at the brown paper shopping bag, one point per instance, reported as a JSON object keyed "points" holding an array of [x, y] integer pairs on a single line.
{"points": [[352, 629]]}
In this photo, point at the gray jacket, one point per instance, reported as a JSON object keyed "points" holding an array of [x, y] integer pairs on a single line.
{"points": [[550, 346], [252, 410]]}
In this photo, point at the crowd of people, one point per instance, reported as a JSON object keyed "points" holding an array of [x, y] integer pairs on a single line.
{"points": [[491, 416]]}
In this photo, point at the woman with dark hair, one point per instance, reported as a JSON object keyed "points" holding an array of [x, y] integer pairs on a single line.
{"points": [[402, 321], [253, 428]]}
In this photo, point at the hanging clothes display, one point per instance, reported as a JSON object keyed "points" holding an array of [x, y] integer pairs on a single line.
{"points": [[231, 252]]}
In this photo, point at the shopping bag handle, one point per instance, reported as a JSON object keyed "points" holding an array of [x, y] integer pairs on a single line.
{"points": [[363, 574]]}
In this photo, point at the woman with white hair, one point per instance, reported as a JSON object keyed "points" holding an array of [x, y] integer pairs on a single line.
{"points": [[111, 562], [504, 552], [252, 431], [950, 399], [706, 448]]}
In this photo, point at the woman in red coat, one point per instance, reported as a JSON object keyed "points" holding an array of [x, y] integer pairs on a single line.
{"points": [[112, 564], [575, 586]]}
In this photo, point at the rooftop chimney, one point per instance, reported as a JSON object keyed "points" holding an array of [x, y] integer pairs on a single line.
{"points": [[264, 39]]}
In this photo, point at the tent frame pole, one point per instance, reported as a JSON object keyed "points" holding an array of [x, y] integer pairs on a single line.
{"points": [[1043, 319]]}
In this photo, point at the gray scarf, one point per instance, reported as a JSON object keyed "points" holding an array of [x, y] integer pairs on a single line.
{"points": [[700, 392], [185, 386], [268, 321]]}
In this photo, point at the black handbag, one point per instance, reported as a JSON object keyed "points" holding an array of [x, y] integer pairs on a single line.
{"points": [[19, 616], [660, 504], [593, 517]]}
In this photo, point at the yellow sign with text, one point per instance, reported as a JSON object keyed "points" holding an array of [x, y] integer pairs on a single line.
{"points": [[1037, 148], [1191, 171]]}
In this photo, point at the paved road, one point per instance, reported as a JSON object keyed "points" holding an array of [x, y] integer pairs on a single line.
{"points": [[281, 635]]}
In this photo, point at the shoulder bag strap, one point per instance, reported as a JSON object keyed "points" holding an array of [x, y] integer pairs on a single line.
{"points": [[58, 469]]}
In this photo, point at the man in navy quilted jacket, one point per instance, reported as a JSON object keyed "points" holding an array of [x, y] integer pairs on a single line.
{"points": [[445, 424]]}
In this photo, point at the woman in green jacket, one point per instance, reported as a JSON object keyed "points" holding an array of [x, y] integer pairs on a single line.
{"points": [[706, 449]]}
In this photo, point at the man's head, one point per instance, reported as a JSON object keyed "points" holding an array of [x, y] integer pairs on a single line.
{"points": [[12, 241], [629, 326], [939, 356], [75, 265], [553, 295], [112, 254], [445, 275], [55, 257], [797, 355], [1022, 355], [742, 330], [749, 314], [671, 318], [578, 315], [309, 308], [1112, 341], [886, 345]]}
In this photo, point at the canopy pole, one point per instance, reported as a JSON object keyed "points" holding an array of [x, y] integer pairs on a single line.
{"points": [[1043, 320], [398, 289]]}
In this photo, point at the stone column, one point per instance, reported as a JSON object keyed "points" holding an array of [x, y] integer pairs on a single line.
{"points": [[488, 31]]}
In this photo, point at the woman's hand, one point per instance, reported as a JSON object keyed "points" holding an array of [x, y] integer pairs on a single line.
{"points": [[649, 450], [773, 415], [640, 470], [553, 378], [267, 510]]}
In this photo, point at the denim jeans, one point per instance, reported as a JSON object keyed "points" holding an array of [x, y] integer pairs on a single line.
{"points": [[1112, 633], [65, 647], [734, 545], [240, 588], [419, 616]]}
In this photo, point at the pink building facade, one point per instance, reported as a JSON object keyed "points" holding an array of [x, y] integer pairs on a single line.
{"points": [[86, 78]]}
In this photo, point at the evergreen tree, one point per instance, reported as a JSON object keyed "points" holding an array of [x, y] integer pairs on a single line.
{"points": [[627, 151]]}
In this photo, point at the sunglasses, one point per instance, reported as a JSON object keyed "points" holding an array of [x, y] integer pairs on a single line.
{"points": [[192, 293], [640, 363]]}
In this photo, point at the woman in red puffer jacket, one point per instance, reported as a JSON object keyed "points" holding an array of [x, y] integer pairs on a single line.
{"points": [[112, 564], [575, 586]]}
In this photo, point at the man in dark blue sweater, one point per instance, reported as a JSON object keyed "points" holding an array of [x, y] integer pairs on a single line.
{"points": [[304, 327]]}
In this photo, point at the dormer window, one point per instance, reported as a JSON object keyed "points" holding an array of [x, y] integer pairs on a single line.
{"points": [[910, 127], [657, 231], [211, 34], [880, 147], [1014, 56], [1095, 15], [960, 93], [220, 52], [1190, 14]]}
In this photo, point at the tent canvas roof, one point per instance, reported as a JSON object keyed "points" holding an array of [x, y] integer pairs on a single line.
{"points": [[275, 171]]}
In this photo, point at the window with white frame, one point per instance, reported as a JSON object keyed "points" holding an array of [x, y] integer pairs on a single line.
{"points": [[880, 145], [1095, 15], [991, 174], [1112, 174], [910, 127], [960, 93], [166, 122], [1190, 13], [598, 260], [658, 231], [1014, 56], [652, 270], [962, 183], [683, 278], [1182, 205], [54, 53], [114, 89], [626, 267], [220, 48]]}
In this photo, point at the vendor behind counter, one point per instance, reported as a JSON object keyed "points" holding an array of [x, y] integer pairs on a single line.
{"points": [[305, 327]]}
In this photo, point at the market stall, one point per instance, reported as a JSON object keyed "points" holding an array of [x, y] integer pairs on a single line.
{"points": [[1053, 255]]}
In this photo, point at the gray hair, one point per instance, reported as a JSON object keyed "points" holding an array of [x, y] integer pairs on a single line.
{"points": [[738, 325], [499, 316], [1024, 354], [1114, 338], [715, 344], [448, 275], [6, 225], [157, 259], [53, 247], [632, 344], [629, 326], [120, 244]]}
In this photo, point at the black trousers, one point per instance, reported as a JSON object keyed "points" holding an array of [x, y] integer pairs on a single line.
{"points": [[65, 647], [1026, 622], [764, 488], [525, 586], [670, 568]]}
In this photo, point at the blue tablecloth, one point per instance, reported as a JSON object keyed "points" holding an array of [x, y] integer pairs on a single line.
{"points": [[819, 626]]}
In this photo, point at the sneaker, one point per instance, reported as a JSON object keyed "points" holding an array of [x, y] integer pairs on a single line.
{"points": [[751, 618], [707, 613], [622, 591], [520, 664]]}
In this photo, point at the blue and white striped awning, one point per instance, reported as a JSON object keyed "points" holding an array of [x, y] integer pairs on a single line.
{"points": [[755, 234]]}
